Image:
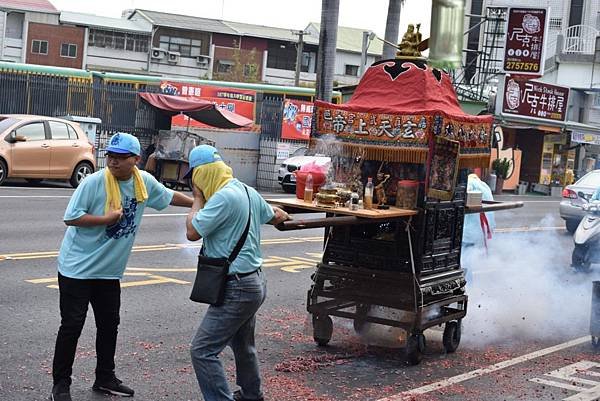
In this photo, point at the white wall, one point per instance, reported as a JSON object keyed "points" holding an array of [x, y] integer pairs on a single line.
{"points": [[343, 58], [187, 68], [276, 76], [2, 24], [117, 60], [13, 50]]}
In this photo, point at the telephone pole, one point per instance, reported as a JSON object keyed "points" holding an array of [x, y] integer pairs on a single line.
{"points": [[299, 50]]}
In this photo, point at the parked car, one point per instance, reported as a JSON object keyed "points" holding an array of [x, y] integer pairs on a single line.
{"points": [[38, 148], [571, 206], [286, 176]]}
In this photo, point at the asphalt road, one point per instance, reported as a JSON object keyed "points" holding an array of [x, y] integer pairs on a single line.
{"points": [[525, 337]]}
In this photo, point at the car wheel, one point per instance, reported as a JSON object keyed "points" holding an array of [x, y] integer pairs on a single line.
{"points": [[82, 170], [572, 225], [3, 171]]}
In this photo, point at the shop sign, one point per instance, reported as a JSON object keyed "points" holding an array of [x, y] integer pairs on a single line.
{"points": [[297, 120], [587, 137], [525, 41], [239, 101], [535, 99]]}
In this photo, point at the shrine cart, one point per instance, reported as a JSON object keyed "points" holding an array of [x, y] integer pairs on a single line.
{"points": [[399, 258], [170, 157]]}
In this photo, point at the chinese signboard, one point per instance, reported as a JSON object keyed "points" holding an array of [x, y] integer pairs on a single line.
{"points": [[297, 120], [525, 41], [239, 101], [535, 99], [585, 137]]}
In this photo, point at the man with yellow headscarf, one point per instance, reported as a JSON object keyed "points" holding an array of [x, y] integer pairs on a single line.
{"points": [[103, 217], [219, 215]]}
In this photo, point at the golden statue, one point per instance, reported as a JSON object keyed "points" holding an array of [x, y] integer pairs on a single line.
{"points": [[409, 47]]}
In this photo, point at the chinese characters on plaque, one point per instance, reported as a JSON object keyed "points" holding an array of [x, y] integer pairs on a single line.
{"points": [[535, 99], [525, 41]]}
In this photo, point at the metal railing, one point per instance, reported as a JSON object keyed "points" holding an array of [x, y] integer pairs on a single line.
{"points": [[580, 39]]}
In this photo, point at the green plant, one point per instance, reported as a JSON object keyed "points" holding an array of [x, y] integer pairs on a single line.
{"points": [[501, 167]]}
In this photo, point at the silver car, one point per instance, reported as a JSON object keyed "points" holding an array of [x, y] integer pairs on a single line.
{"points": [[570, 207]]}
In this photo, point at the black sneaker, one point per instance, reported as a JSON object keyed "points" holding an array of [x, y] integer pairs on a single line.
{"points": [[61, 392], [237, 396], [113, 386]]}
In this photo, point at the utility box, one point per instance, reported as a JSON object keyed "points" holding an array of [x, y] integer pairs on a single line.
{"points": [[89, 125]]}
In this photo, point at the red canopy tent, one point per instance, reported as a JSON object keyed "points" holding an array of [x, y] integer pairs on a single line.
{"points": [[200, 110], [398, 107]]}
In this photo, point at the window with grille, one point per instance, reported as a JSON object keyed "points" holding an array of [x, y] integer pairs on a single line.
{"points": [[39, 46], [118, 40], [185, 46], [556, 23]]}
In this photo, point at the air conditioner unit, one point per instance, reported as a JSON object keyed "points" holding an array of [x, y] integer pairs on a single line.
{"points": [[174, 57], [203, 61], [158, 53]]}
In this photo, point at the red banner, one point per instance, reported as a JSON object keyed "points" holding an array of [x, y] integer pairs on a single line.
{"points": [[239, 101], [297, 120], [525, 41]]}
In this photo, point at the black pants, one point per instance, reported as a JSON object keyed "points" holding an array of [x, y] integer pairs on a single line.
{"points": [[75, 295]]}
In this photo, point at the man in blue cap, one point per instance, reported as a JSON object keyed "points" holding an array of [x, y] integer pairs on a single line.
{"points": [[221, 210], [103, 217]]}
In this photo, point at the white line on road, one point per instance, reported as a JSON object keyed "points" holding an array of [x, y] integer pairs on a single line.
{"points": [[483, 371]]}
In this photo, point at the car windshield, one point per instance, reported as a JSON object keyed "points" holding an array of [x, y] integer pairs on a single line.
{"points": [[590, 180], [6, 122]]}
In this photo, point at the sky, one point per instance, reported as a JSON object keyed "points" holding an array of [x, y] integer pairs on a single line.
{"points": [[370, 15]]}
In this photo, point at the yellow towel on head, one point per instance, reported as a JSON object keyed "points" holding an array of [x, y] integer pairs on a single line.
{"points": [[113, 193], [211, 177]]}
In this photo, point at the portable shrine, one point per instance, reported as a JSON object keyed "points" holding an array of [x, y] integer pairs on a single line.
{"points": [[404, 129]]}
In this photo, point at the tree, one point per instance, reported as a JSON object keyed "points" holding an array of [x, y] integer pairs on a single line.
{"points": [[392, 25], [327, 44], [244, 68]]}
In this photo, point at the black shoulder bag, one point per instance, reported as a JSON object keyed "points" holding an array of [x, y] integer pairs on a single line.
{"points": [[211, 277]]}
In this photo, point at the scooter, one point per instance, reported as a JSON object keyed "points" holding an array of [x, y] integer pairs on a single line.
{"points": [[587, 237]]}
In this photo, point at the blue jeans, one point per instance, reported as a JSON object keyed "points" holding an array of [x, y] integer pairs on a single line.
{"points": [[230, 324]]}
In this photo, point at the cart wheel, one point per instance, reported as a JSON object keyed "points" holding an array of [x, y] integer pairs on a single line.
{"points": [[451, 337], [415, 346], [362, 311], [322, 329], [596, 342]]}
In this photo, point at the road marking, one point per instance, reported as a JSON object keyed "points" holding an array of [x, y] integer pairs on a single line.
{"points": [[483, 371], [151, 279], [566, 378], [527, 229], [153, 248]]}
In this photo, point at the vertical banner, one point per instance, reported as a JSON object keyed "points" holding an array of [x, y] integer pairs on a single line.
{"points": [[239, 101], [297, 120], [525, 42]]}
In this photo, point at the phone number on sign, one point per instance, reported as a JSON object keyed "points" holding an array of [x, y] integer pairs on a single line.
{"points": [[521, 66]]}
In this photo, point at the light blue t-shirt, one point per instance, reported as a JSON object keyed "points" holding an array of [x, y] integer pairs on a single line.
{"points": [[101, 252], [222, 221]]}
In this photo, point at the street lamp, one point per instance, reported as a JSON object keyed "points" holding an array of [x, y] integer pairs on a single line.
{"points": [[368, 36]]}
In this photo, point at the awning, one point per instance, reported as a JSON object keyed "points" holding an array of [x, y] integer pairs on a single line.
{"points": [[200, 110]]}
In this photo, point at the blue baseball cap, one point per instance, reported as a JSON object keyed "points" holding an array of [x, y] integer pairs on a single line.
{"points": [[200, 155], [123, 143]]}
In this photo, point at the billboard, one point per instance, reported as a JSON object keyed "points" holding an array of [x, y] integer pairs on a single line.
{"points": [[239, 101], [297, 120], [535, 99], [525, 42]]}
